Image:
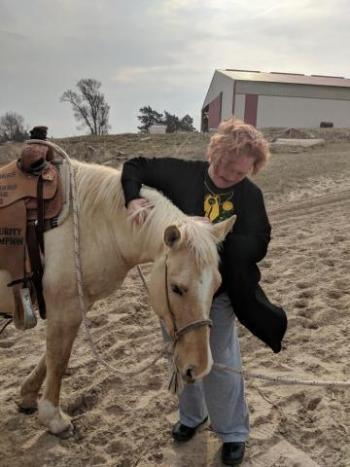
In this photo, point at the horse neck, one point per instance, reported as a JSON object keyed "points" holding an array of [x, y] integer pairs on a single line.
{"points": [[104, 215], [148, 239]]}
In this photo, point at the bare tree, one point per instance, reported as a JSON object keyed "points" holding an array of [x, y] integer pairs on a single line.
{"points": [[89, 106], [12, 127]]}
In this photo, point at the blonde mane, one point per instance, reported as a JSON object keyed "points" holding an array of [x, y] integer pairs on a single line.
{"points": [[197, 235], [99, 187]]}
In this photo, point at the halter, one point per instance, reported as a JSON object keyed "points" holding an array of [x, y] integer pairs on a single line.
{"points": [[178, 333]]}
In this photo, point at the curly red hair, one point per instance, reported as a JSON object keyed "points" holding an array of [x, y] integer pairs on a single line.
{"points": [[236, 138]]}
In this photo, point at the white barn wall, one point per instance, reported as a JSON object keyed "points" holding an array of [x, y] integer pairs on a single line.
{"points": [[299, 112], [224, 84]]}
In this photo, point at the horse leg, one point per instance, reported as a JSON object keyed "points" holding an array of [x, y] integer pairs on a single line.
{"points": [[31, 386], [62, 329]]}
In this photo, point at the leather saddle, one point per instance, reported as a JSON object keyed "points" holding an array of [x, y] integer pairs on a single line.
{"points": [[31, 198]]}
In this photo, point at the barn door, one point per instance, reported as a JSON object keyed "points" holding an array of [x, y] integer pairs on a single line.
{"points": [[251, 108], [214, 113]]}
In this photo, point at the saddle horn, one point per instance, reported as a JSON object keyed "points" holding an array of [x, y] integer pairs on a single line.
{"points": [[34, 157]]}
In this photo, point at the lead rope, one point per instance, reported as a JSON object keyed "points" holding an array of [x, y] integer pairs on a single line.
{"points": [[164, 351], [176, 383], [282, 379], [78, 273]]}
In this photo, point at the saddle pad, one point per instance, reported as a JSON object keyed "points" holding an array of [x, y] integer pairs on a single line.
{"points": [[16, 185], [12, 239]]}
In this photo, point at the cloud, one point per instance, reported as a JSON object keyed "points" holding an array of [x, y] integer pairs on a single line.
{"points": [[169, 73], [12, 35]]}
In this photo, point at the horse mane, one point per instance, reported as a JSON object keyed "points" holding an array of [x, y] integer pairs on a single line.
{"points": [[100, 186], [197, 235]]}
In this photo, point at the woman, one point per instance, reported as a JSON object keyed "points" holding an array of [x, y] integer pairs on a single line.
{"points": [[217, 189]]}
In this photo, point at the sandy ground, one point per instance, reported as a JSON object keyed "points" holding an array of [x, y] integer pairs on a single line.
{"points": [[125, 422]]}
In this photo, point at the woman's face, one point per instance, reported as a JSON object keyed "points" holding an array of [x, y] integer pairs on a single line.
{"points": [[228, 170]]}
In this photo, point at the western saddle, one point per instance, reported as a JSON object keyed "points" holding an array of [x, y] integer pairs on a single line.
{"points": [[31, 198]]}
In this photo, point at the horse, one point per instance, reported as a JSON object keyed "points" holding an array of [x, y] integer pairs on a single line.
{"points": [[183, 279]]}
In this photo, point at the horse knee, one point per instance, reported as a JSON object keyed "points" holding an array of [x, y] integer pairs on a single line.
{"points": [[62, 331]]}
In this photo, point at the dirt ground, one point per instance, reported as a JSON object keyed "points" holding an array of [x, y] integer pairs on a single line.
{"points": [[126, 422]]}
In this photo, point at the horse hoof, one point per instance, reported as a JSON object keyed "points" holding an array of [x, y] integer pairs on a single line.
{"points": [[26, 410], [66, 434]]}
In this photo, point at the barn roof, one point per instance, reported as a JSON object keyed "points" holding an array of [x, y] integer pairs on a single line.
{"points": [[290, 78]]}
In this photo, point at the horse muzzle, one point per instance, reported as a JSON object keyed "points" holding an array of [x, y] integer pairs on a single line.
{"points": [[188, 375]]}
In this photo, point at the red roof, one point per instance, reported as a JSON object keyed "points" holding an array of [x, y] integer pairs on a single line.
{"points": [[290, 78]]}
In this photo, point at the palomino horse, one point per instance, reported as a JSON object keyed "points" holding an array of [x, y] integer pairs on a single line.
{"points": [[183, 280]]}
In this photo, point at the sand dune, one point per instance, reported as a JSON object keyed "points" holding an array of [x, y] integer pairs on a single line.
{"points": [[126, 421]]}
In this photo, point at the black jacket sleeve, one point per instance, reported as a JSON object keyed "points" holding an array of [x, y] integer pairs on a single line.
{"points": [[156, 173], [251, 234], [243, 248]]}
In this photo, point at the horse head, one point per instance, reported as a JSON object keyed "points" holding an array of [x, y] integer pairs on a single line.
{"points": [[183, 281]]}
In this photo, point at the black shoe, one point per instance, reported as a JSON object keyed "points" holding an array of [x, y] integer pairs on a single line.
{"points": [[232, 453], [182, 433]]}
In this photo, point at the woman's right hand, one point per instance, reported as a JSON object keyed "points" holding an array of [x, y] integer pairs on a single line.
{"points": [[138, 210]]}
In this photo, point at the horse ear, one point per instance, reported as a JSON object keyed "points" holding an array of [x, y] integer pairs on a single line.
{"points": [[172, 235], [221, 229]]}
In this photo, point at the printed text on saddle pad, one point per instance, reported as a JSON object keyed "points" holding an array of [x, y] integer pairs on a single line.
{"points": [[16, 184]]}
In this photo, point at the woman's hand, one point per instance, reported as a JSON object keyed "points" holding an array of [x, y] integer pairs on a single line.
{"points": [[138, 210], [203, 219]]}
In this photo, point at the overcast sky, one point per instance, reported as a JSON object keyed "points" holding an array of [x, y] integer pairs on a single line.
{"points": [[161, 53]]}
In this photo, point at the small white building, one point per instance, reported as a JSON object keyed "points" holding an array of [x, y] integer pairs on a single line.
{"points": [[157, 129], [276, 99]]}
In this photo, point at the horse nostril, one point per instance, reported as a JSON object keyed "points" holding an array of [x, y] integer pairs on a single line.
{"points": [[189, 375]]}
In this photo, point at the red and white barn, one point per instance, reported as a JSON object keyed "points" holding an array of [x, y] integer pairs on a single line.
{"points": [[276, 99]]}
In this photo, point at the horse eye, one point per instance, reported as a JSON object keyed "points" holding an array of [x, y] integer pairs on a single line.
{"points": [[176, 289]]}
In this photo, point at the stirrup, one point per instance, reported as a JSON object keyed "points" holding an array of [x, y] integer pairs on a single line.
{"points": [[29, 318]]}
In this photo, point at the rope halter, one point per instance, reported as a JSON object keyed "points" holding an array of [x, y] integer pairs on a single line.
{"points": [[176, 383]]}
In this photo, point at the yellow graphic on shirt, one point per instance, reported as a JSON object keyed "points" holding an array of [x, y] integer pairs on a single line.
{"points": [[227, 206], [217, 209], [212, 207]]}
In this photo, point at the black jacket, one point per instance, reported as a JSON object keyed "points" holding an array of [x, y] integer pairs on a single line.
{"points": [[183, 183]]}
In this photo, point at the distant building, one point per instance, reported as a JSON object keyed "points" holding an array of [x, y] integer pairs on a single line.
{"points": [[158, 129], [277, 99]]}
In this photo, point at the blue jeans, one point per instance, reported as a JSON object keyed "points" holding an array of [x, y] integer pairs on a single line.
{"points": [[220, 394]]}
